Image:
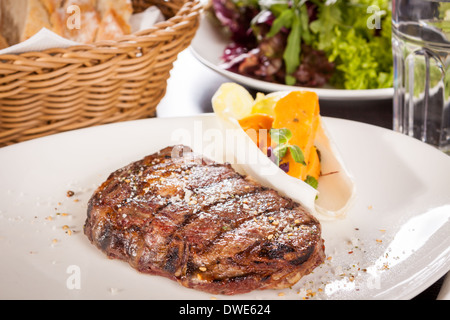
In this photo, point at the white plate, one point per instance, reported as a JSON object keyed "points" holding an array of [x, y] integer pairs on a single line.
{"points": [[444, 293], [208, 47], [393, 244]]}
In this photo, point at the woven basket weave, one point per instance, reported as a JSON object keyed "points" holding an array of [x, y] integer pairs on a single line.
{"points": [[43, 93]]}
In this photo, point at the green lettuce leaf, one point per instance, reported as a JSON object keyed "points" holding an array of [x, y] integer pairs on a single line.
{"points": [[361, 51]]}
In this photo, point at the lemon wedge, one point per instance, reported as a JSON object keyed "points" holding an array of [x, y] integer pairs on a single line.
{"points": [[232, 100], [265, 104]]}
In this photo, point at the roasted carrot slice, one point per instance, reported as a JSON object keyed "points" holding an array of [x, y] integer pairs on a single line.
{"points": [[313, 165], [257, 126], [299, 112]]}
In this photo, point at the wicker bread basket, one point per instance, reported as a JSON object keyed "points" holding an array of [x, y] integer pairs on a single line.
{"points": [[43, 93]]}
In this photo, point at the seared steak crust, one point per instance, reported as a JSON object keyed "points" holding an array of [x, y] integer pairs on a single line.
{"points": [[179, 215]]}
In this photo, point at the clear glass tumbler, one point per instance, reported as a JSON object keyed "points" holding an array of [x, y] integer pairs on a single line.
{"points": [[421, 49]]}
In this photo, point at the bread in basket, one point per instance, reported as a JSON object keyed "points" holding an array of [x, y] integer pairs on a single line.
{"points": [[57, 90]]}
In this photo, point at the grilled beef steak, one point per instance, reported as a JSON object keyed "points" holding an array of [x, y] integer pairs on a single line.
{"points": [[179, 215]]}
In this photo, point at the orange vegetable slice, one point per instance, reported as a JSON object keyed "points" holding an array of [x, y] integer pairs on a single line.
{"points": [[313, 164], [257, 127], [299, 112]]}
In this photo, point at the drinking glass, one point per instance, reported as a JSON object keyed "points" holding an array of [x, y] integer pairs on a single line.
{"points": [[421, 50]]}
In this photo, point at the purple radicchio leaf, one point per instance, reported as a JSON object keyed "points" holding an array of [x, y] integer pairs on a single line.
{"points": [[285, 167]]}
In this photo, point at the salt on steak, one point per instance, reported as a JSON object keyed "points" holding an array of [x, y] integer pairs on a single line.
{"points": [[202, 224]]}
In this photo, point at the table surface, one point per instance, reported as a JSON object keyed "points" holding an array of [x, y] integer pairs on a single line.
{"points": [[197, 83]]}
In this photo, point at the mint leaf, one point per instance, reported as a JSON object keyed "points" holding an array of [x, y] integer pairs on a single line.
{"points": [[297, 154], [279, 152], [312, 182], [280, 136]]}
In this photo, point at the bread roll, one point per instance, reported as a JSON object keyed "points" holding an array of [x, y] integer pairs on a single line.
{"points": [[112, 26], [3, 43], [123, 8], [77, 20], [83, 4], [52, 5], [21, 19], [63, 21]]}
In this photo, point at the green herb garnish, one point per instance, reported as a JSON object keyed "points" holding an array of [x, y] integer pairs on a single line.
{"points": [[312, 182], [281, 137]]}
